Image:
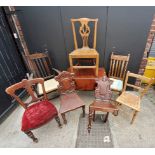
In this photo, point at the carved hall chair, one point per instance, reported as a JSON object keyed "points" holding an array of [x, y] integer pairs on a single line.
{"points": [[103, 101], [68, 97], [84, 53], [39, 112], [133, 100], [42, 67], [117, 72]]}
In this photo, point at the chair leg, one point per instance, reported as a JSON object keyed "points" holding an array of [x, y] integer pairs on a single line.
{"points": [[58, 121], [89, 121], [31, 135], [94, 115], [106, 117], [64, 118], [134, 116], [83, 109]]}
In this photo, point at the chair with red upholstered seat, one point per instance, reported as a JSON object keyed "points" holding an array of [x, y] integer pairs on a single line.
{"points": [[69, 99], [40, 112]]}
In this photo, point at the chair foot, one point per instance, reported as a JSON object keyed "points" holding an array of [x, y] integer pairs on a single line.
{"points": [[83, 109], [31, 135], [64, 118], [134, 116], [58, 121]]}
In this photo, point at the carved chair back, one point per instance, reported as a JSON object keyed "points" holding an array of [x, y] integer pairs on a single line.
{"points": [[102, 91], [118, 66], [28, 86], [84, 31], [41, 65], [141, 90], [66, 82]]}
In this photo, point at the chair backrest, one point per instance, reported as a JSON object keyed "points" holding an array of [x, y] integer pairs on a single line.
{"points": [[66, 82], [142, 90], [84, 31], [41, 65], [118, 66], [28, 85], [102, 91]]}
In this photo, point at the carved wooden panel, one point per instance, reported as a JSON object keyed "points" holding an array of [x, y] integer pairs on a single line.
{"points": [[102, 91], [66, 83]]}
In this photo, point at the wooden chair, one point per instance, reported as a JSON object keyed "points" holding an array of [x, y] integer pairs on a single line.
{"points": [[103, 102], [130, 99], [42, 67], [68, 97], [117, 72], [40, 112], [85, 52]]}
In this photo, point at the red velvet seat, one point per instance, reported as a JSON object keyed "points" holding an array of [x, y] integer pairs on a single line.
{"points": [[38, 111], [37, 115]]}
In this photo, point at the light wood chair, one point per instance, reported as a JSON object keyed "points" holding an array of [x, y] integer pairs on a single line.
{"points": [[117, 72], [39, 112], [42, 67], [85, 52], [131, 99]]}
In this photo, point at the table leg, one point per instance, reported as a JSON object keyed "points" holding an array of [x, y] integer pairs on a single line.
{"points": [[94, 115], [97, 64]]}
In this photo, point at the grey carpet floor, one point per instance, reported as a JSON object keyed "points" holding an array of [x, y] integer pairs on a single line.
{"points": [[99, 136]]}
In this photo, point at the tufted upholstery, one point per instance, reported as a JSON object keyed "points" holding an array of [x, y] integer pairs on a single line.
{"points": [[37, 115]]}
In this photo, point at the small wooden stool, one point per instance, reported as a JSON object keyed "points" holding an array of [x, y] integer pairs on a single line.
{"points": [[103, 106]]}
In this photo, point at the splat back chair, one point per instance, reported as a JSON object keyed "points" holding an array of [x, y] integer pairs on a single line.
{"points": [[42, 67], [103, 101], [133, 100], [85, 52], [39, 112], [68, 98], [117, 72]]}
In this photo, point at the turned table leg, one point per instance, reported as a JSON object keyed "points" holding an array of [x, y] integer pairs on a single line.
{"points": [[58, 121], [83, 109]]}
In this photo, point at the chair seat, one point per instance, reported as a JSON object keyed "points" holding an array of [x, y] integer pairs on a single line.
{"points": [[50, 85], [84, 52], [129, 99], [70, 102], [117, 84], [37, 115]]}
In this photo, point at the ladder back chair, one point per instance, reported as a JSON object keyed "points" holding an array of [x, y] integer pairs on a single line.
{"points": [[85, 52], [69, 100], [117, 72], [39, 112], [133, 100], [42, 67]]}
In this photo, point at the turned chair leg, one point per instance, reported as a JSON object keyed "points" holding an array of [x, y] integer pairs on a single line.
{"points": [[89, 120], [83, 109], [64, 118], [31, 135], [58, 121], [134, 116]]}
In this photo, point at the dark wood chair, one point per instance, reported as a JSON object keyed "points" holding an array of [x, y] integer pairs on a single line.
{"points": [[117, 72], [41, 66], [68, 97], [102, 101], [39, 112]]}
